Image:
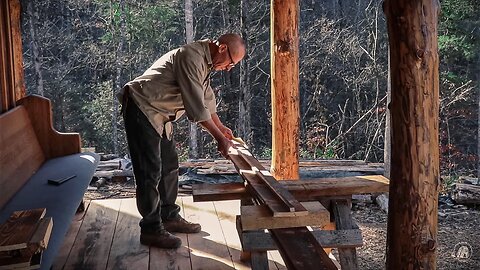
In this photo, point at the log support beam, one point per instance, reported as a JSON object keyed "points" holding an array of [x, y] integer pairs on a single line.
{"points": [[285, 88], [414, 106]]}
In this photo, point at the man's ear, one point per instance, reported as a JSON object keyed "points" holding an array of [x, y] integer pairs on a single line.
{"points": [[222, 48]]}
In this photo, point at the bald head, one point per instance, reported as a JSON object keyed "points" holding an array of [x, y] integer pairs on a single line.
{"points": [[235, 43], [227, 51]]}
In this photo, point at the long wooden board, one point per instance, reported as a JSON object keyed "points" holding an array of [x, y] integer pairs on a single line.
{"points": [[300, 249], [302, 190], [266, 188]]}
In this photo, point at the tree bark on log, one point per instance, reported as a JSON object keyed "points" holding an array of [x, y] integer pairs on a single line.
{"points": [[413, 210], [284, 18]]}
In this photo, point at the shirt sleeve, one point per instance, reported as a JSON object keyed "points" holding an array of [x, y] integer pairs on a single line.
{"points": [[210, 99], [190, 76]]}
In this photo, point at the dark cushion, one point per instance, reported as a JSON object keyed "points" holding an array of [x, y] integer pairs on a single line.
{"points": [[60, 201]]}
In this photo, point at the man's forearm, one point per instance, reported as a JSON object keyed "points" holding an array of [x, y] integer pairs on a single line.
{"points": [[216, 120], [213, 129]]}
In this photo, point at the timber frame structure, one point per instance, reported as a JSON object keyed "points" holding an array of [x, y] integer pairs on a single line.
{"points": [[414, 106]]}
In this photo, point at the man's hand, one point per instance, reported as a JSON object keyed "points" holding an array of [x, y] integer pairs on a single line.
{"points": [[224, 143], [226, 132], [224, 147]]}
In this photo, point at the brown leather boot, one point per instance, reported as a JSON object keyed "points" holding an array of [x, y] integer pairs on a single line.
{"points": [[161, 239], [181, 225]]}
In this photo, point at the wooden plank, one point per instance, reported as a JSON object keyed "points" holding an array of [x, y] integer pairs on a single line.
{"points": [[274, 185], [266, 188], [343, 186], [17, 231], [208, 248], [256, 217], [307, 189], [261, 191], [69, 240], [218, 192], [172, 259], [300, 250], [227, 212], [39, 240], [269, 180], [344, 221], [126, 251], [94, 238], [20, 155], [261, 240]]}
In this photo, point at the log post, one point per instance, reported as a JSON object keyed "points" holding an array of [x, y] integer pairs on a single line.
{"points": [[285, 88], [412, 215]]}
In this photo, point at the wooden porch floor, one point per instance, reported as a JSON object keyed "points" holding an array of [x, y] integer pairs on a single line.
{"points": [[107, 236]]}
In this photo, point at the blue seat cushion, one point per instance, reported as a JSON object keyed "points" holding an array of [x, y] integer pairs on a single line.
{"points": [[60, 201]]}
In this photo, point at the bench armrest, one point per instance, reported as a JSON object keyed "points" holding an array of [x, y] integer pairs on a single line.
{"points": [[53, 143]]}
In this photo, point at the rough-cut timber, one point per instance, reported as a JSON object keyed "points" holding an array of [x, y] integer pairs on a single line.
{"points": [[266, 189], [304, 190], [285, 88], [412, 214]]}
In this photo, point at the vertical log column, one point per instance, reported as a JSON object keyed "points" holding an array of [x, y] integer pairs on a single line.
{"points": [[285, 88], [412, 215], [12, 84]]}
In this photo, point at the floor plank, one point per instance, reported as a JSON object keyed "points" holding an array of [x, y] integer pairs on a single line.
{"points": [[208, 248], [126, 251], [69, 240], [173, 259], [227, 212], [92, 245]]}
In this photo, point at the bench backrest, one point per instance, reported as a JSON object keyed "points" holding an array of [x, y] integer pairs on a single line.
{"points": [[20, 152]]}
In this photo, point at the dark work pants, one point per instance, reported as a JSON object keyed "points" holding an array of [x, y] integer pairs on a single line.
{"points": [[155, 166]]}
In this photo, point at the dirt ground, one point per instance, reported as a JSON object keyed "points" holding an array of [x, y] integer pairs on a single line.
{"points": [[458, 236], [458, 230]]}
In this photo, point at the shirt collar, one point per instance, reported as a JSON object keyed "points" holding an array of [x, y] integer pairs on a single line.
{"points": [[206, 49]]}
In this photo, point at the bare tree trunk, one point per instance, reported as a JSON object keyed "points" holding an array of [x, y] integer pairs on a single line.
{"points": [[32, 18], [387, 150], [478, 136], [244, 101], [117, 84], [413, 208], [284, 46], [189, 36]]}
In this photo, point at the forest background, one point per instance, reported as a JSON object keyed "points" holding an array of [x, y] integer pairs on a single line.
{"points": [[78, 53]]}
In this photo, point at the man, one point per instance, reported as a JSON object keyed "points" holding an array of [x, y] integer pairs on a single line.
{"points": [[178, 82]]}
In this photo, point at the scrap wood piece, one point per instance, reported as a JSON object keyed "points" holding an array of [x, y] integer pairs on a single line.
{"points": [[17, 231], [300, 250], [279, 200], [256, 217]]}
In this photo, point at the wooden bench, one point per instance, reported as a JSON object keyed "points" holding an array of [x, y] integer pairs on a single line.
{"points": [[31, 153]]}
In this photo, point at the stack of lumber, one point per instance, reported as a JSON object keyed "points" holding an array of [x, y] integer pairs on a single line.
{"points": [[23, 238]]}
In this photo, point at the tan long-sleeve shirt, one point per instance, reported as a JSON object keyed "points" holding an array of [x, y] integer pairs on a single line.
{"points": [[176, 83]]}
